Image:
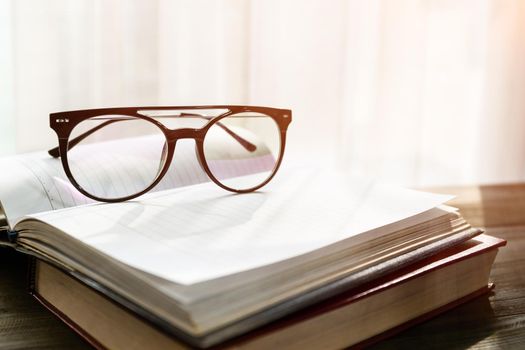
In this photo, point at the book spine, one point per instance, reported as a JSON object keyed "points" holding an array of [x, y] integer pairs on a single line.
{"points": [[12, 236], [8, 238], [71, 324], [31, 274]]}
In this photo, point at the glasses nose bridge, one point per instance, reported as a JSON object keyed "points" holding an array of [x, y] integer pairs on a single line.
{"points": [[184, 133]]}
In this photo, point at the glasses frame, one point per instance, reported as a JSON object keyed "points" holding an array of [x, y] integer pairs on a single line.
{"points": [[63, 124]]}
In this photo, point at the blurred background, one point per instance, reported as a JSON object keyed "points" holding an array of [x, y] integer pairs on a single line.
{"points": [[415, 92]]}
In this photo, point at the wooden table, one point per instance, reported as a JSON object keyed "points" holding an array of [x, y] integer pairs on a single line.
{"points": [[493, 321]]}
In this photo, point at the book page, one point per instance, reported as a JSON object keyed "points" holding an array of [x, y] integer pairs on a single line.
{"points": [[199, 233], [36, 182]]}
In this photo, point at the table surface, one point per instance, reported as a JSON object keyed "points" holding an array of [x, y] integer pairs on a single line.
{"points": [[496, 320]]}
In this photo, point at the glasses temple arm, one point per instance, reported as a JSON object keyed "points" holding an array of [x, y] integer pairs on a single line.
{"points": [[55, 152], [245, 143]]}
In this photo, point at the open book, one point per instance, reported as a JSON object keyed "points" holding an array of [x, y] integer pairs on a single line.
{"points": [[207, 265]]}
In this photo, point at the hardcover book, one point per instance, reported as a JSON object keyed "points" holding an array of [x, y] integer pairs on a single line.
{"points": [[356, 317]]}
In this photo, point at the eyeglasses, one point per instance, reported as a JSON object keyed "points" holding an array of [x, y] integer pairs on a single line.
{"points": [[116, 154]]}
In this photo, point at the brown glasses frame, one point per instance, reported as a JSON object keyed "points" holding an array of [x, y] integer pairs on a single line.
{"points": [[63, 124]]}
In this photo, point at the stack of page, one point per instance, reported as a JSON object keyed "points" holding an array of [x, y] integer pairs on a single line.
{"points": [[316, 257]]}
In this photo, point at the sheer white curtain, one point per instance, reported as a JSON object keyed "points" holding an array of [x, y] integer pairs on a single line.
{"points": [[414, 92]]}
